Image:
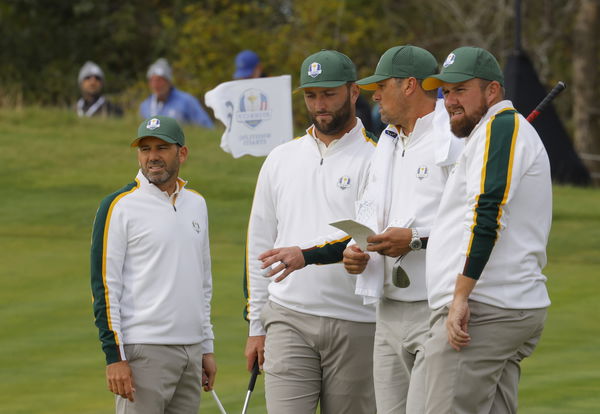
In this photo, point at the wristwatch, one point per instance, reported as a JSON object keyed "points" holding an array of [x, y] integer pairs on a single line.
{"points": [[415, 242]]}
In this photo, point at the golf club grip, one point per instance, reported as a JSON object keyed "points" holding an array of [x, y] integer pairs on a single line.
{"points": [[255, 373], [558, 88]]}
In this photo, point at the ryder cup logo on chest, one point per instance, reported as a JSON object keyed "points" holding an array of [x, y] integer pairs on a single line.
{"points": [[153, 124], [449, 60], [314, 70], [344, 182], [254, 108], [422, 172]]}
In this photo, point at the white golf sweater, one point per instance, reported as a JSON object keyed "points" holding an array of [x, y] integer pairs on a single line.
{"points": [[494, 217], [416, 187], [151, 269], [298, 193]]}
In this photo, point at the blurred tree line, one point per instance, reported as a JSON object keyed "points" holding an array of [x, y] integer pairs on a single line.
{"points": [[43, 43]]}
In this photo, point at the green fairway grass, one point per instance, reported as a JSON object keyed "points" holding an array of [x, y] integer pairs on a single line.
{"points": [[55, 170]]}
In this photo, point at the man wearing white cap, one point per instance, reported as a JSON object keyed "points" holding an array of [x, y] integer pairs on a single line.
{"points": [[168, 101], [92, 102]]}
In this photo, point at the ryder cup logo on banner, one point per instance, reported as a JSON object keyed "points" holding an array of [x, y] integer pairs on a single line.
{"points": [[314, 70], [254, 108], [449, 60], [153, 124]]}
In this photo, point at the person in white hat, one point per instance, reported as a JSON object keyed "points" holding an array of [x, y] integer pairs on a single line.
{"points": [[92, 102], [169, 101]]}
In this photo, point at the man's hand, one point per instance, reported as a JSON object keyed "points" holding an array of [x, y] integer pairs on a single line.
{"points": [[355, 260], [120, 380], [393, 242], [289, 258], [457, 324], [209, 371], [255, 348], [459, 313]]}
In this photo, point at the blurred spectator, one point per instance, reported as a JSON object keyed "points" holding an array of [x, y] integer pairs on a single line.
{"points": [[247, 65], [169, 101], [92, 102]]}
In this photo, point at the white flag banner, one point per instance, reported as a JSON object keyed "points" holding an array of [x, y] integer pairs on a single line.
{"points": [[257, 114]]}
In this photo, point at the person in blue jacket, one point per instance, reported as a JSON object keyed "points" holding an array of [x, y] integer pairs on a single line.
{"points": [[169, 101]]}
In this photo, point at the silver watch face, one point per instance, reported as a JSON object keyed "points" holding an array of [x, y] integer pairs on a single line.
{"points": [[415, 244]]}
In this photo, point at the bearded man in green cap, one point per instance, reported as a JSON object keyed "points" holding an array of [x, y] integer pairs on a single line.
{"points": [[151, 281], [487, 249], [313, 334]]}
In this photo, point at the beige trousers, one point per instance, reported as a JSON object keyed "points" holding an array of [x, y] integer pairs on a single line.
{"points": [[483, 377], [167, 379], [398, 368], [312, 360]]}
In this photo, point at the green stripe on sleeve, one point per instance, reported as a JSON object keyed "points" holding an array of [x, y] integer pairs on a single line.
{"points": [[107, 336], [327, 253], [496, 171], [245, 279]]}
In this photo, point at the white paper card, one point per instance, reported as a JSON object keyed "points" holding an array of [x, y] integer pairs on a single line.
{"points": [[358, 231]]}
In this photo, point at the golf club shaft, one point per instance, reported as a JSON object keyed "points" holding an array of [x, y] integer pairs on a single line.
{"points": [[246, 402], [221, 408], [558, 88], [255, 373]]}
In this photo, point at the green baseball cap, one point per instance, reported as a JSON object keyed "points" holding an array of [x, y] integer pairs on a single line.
{"points": [[161, 127], [401, 62], [466, 63], [327, 69]]}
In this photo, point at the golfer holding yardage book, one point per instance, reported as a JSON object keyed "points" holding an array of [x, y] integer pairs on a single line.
{"points": [[319, 335], [488, 245], [151, 281]]}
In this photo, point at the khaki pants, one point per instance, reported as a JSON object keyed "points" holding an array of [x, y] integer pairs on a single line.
{"points": [[311, 359], [398, 368], [167, 379], [483, 377]]}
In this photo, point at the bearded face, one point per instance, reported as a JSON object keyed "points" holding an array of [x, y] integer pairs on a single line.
{"points": [[466, 104], [330, 109]]}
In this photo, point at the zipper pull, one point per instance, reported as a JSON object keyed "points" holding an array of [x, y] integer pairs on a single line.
{"points": [[321, 163], [403, 149]]}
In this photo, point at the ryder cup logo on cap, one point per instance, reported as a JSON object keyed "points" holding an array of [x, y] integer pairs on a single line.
{"points": [[153, 124], [449, 60], [314, 70]]}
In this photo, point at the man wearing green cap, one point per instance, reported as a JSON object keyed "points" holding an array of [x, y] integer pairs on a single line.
{"points": [[151, 281], [408, 172], [312, 332], [488, 247]]}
